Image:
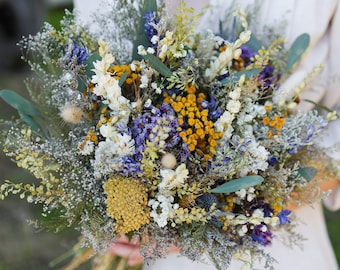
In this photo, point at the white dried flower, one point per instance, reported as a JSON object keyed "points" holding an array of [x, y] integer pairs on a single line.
{"points": [[172, 179], [141, 50]]}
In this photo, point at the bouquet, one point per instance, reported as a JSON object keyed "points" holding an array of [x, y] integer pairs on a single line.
{"points": [[166, 134]]}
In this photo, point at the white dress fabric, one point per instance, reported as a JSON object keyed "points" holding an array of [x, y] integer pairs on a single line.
{"points": [[321, 20]]}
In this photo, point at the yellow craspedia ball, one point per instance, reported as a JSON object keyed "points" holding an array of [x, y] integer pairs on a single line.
{"points": [[168, 161], [127, 203]]}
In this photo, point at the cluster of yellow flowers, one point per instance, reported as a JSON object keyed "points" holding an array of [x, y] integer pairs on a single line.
{"points": [[199, 133], [126, 202], [132, 75], [186, 215]]}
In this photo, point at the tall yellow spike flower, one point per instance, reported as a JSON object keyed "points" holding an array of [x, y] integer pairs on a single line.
{"points": [[126, 202]]}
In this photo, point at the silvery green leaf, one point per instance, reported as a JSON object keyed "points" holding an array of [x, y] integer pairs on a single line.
{"points": [[123, 78], [297, 49], [238, 184], [82, 82], [19, 103], [89, 64], [158, 65], [254, 44], [27, 111], [30, 121], [236, 76], [307, 172]]}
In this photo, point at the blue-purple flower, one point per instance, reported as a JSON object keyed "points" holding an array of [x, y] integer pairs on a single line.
{"points": [[151, 20], [262, 235], [155, 125], [75, 54], [283, 216]]}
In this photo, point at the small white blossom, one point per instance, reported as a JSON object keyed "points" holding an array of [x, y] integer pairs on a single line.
{"points": [[236, 94], [154, 39], [144, 81], [224, 121], [141, 50], [162, 207], [242, 232], [234, 106], [86, 148], [150, 50], [133, 67], [241, 193], [105, 161], [148, 103]]}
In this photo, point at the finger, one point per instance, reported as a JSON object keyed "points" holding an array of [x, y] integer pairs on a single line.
{"points": [[123, 250], [135, 258]]}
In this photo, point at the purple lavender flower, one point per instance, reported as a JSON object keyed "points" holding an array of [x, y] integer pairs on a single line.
{"points": [[211, 105], [147, 126], [75, 53], [227, 160], [262, 235], [243, 145], [247, 54], [184, 152], [123, 128], [129, 167], [267, 75], [151, 20], [310, 133]]}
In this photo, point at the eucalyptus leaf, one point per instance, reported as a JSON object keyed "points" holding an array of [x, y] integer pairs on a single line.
{"points": [[307, 172], [27, 111], [19, 103], [238, 184], [254, 44], [30, 121], [82, 81], [81, 84], [158, 65], [297, 49], [123, 78], [236, 76], [89, 64], [102, 106], [142, 39]]}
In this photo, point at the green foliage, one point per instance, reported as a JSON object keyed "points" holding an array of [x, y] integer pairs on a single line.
{"points": [[297, 49], [158, 65], [234, 78], [82, 81], [254, 44], [307, 173], [123, 78], [237, 184], [25, 108]]}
